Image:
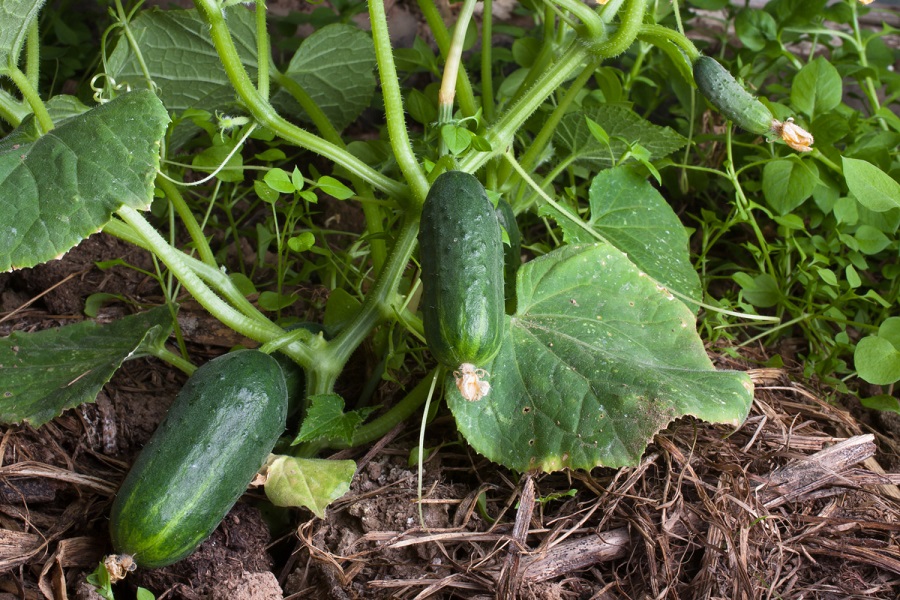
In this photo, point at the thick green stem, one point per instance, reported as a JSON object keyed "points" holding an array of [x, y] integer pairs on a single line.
{"points": [[259, 328], [549, 128], [624, 37], [33, 54], [393, 104], [262, 51], [594, 27], [659, 36], [501, 134], [173, 194], [487, 68], [32, 97], [266, 115], [454, 55]]}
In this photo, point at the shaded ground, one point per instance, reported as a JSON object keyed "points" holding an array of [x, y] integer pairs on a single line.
{"points": [[779, 508]]}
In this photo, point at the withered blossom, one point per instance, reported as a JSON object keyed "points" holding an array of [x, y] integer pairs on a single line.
{"points": [[793, 135]]}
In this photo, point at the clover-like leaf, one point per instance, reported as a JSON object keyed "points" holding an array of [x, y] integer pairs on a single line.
{"points": [[597, 359]]}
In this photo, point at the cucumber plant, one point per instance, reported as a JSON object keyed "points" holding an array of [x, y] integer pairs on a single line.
{"points": [[599, 349]]}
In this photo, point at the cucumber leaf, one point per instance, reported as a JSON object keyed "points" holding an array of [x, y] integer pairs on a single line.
{"points": [[16, 17], [573, 136], [597, 359], [326, 418], [61, 187], [628, 212], [335, 66], [313, 483], [47, 372], [178, 52]]}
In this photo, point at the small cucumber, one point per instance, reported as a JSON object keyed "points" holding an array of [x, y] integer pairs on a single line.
{"points": [[215, 437], [461, 252], [730, 98]]}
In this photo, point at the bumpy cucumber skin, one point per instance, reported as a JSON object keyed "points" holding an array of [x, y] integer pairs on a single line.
{"points": [[215, 437], [730, 98], [512, 253], [461, 253]]}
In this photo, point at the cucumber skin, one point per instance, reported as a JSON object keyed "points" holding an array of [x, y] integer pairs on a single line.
{"points": [[215, 437], [730, 98], [461, 253]]}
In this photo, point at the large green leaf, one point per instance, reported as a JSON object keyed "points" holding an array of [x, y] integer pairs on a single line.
{"points": [[15, 18], [872, 187], [629, 213], [573, 135], [596, 360], [335, 66], [59, 188], [178, 52], [47, 372]]}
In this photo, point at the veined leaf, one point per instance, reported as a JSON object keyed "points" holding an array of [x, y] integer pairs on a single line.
{"points": [[62, 187], [629, 213], [573, 135], [596, 361], [47, 372]]}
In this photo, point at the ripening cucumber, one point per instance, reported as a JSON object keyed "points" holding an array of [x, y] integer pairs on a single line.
{"points": [[461, 253], [214, 439], [730, 98]]}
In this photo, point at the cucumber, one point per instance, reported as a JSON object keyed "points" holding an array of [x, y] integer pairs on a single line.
{"points": [[217, 434], [730, 98], [461, 253], [512, 253]]}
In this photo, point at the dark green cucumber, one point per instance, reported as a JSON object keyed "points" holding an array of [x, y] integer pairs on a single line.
{"points": [[216, 436], [730, 98], [512, 253], [461, 252]]}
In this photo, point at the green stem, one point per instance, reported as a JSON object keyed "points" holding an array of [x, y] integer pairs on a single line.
{"points": [[32, 97], [871, 94], [594, 27], [266, 115], [11, 110], [132, 43], [743, 205], [624, 37], [393, 104], [176, 360], [173, 194], [33, 54], [659, 36], [263, 53], [500, 136], [487, 68], [544, 136], [454, 55], [544, 56], [467, 104], [309, 106], [259, 328]]}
